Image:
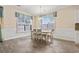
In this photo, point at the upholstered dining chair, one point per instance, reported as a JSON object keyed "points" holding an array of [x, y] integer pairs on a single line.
{"points": [[49, 38], [39, 34], [34, 35]]}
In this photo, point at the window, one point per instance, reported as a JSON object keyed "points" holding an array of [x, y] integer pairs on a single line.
{"points": [[23, 22], [48, 22]]}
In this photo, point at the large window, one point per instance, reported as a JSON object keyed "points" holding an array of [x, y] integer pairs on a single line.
{"points": [[23, 22], [48, 22]]}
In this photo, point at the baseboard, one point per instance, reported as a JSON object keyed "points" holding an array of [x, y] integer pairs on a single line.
{"points": [[14, 37], [64, 40]]}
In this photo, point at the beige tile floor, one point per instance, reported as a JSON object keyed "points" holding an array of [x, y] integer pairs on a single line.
{"points": [[25, 45]]}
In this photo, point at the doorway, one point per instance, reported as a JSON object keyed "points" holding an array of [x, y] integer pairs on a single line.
{"points": [[1, 15]]}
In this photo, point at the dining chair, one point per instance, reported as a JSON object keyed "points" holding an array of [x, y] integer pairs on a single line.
{"points": [[34, 35]]}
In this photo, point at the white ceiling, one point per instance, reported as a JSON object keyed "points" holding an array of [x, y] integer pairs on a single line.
{"points": [[41, 9]]}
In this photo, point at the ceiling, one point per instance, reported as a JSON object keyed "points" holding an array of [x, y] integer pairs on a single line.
{"points": [[42, 9]]}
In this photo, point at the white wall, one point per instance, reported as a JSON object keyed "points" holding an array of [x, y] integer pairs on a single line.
{"points": [[64, 34], [65, 24], [36, 23], [9, 23]]}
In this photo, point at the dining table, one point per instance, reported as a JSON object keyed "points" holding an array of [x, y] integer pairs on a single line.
{"points": [[43, 36]]}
